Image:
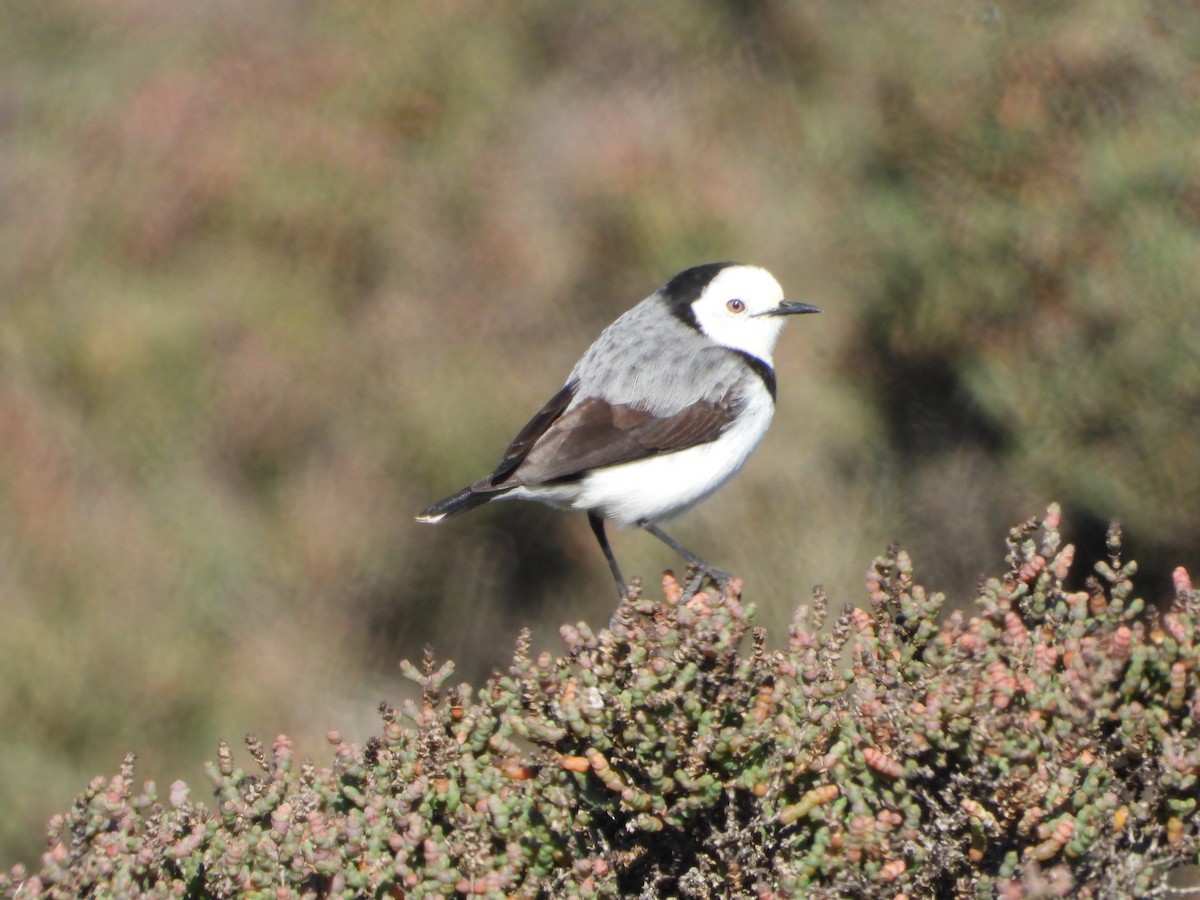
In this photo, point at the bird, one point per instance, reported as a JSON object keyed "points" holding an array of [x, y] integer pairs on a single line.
{"points": [[661, 411]]}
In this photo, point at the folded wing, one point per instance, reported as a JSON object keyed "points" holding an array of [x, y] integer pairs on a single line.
{"points": [[557, 445]]}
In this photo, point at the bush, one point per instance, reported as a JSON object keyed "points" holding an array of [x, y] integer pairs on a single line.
{"points": [[1049, 744]]}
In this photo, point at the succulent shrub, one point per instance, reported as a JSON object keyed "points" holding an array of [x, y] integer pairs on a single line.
{"points": [[1046, 743]]}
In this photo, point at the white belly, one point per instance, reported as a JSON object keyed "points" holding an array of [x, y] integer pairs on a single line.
{"points": [[659, 488]]}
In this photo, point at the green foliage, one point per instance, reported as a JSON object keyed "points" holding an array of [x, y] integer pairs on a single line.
{"points": [[1047, 745], [1034, 244]]}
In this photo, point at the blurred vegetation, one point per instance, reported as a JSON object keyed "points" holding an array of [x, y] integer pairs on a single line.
{"points": [[276, 275]]}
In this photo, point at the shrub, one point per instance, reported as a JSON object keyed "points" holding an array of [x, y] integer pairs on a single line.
{"points": [[1047, 744]]}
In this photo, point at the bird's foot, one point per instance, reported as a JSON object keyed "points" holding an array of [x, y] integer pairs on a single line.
{"points": [[697, 572]]}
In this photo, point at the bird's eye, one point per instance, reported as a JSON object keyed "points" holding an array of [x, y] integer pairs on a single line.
{"points": [[735, 306]]}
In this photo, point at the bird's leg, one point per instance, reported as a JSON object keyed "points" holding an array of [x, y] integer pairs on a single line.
{"points": [[597, 524], [721, 577]]}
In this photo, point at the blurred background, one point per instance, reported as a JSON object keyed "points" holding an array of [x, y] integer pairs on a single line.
{"points": [[276, 275]]}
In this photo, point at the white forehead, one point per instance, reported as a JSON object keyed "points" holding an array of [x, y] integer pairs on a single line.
{"points": [[753, 285]]}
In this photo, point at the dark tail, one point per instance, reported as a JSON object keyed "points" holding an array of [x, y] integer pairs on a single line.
{"points": [[457, 504]]}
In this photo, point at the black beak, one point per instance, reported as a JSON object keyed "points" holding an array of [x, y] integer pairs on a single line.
{"points": [[790, 308]]}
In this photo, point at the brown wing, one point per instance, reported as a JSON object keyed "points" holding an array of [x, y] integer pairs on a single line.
{"points": [[534, 429], [597, 433]]}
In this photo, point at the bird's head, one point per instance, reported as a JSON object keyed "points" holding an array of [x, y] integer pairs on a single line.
{"points": [[737, 306]]}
